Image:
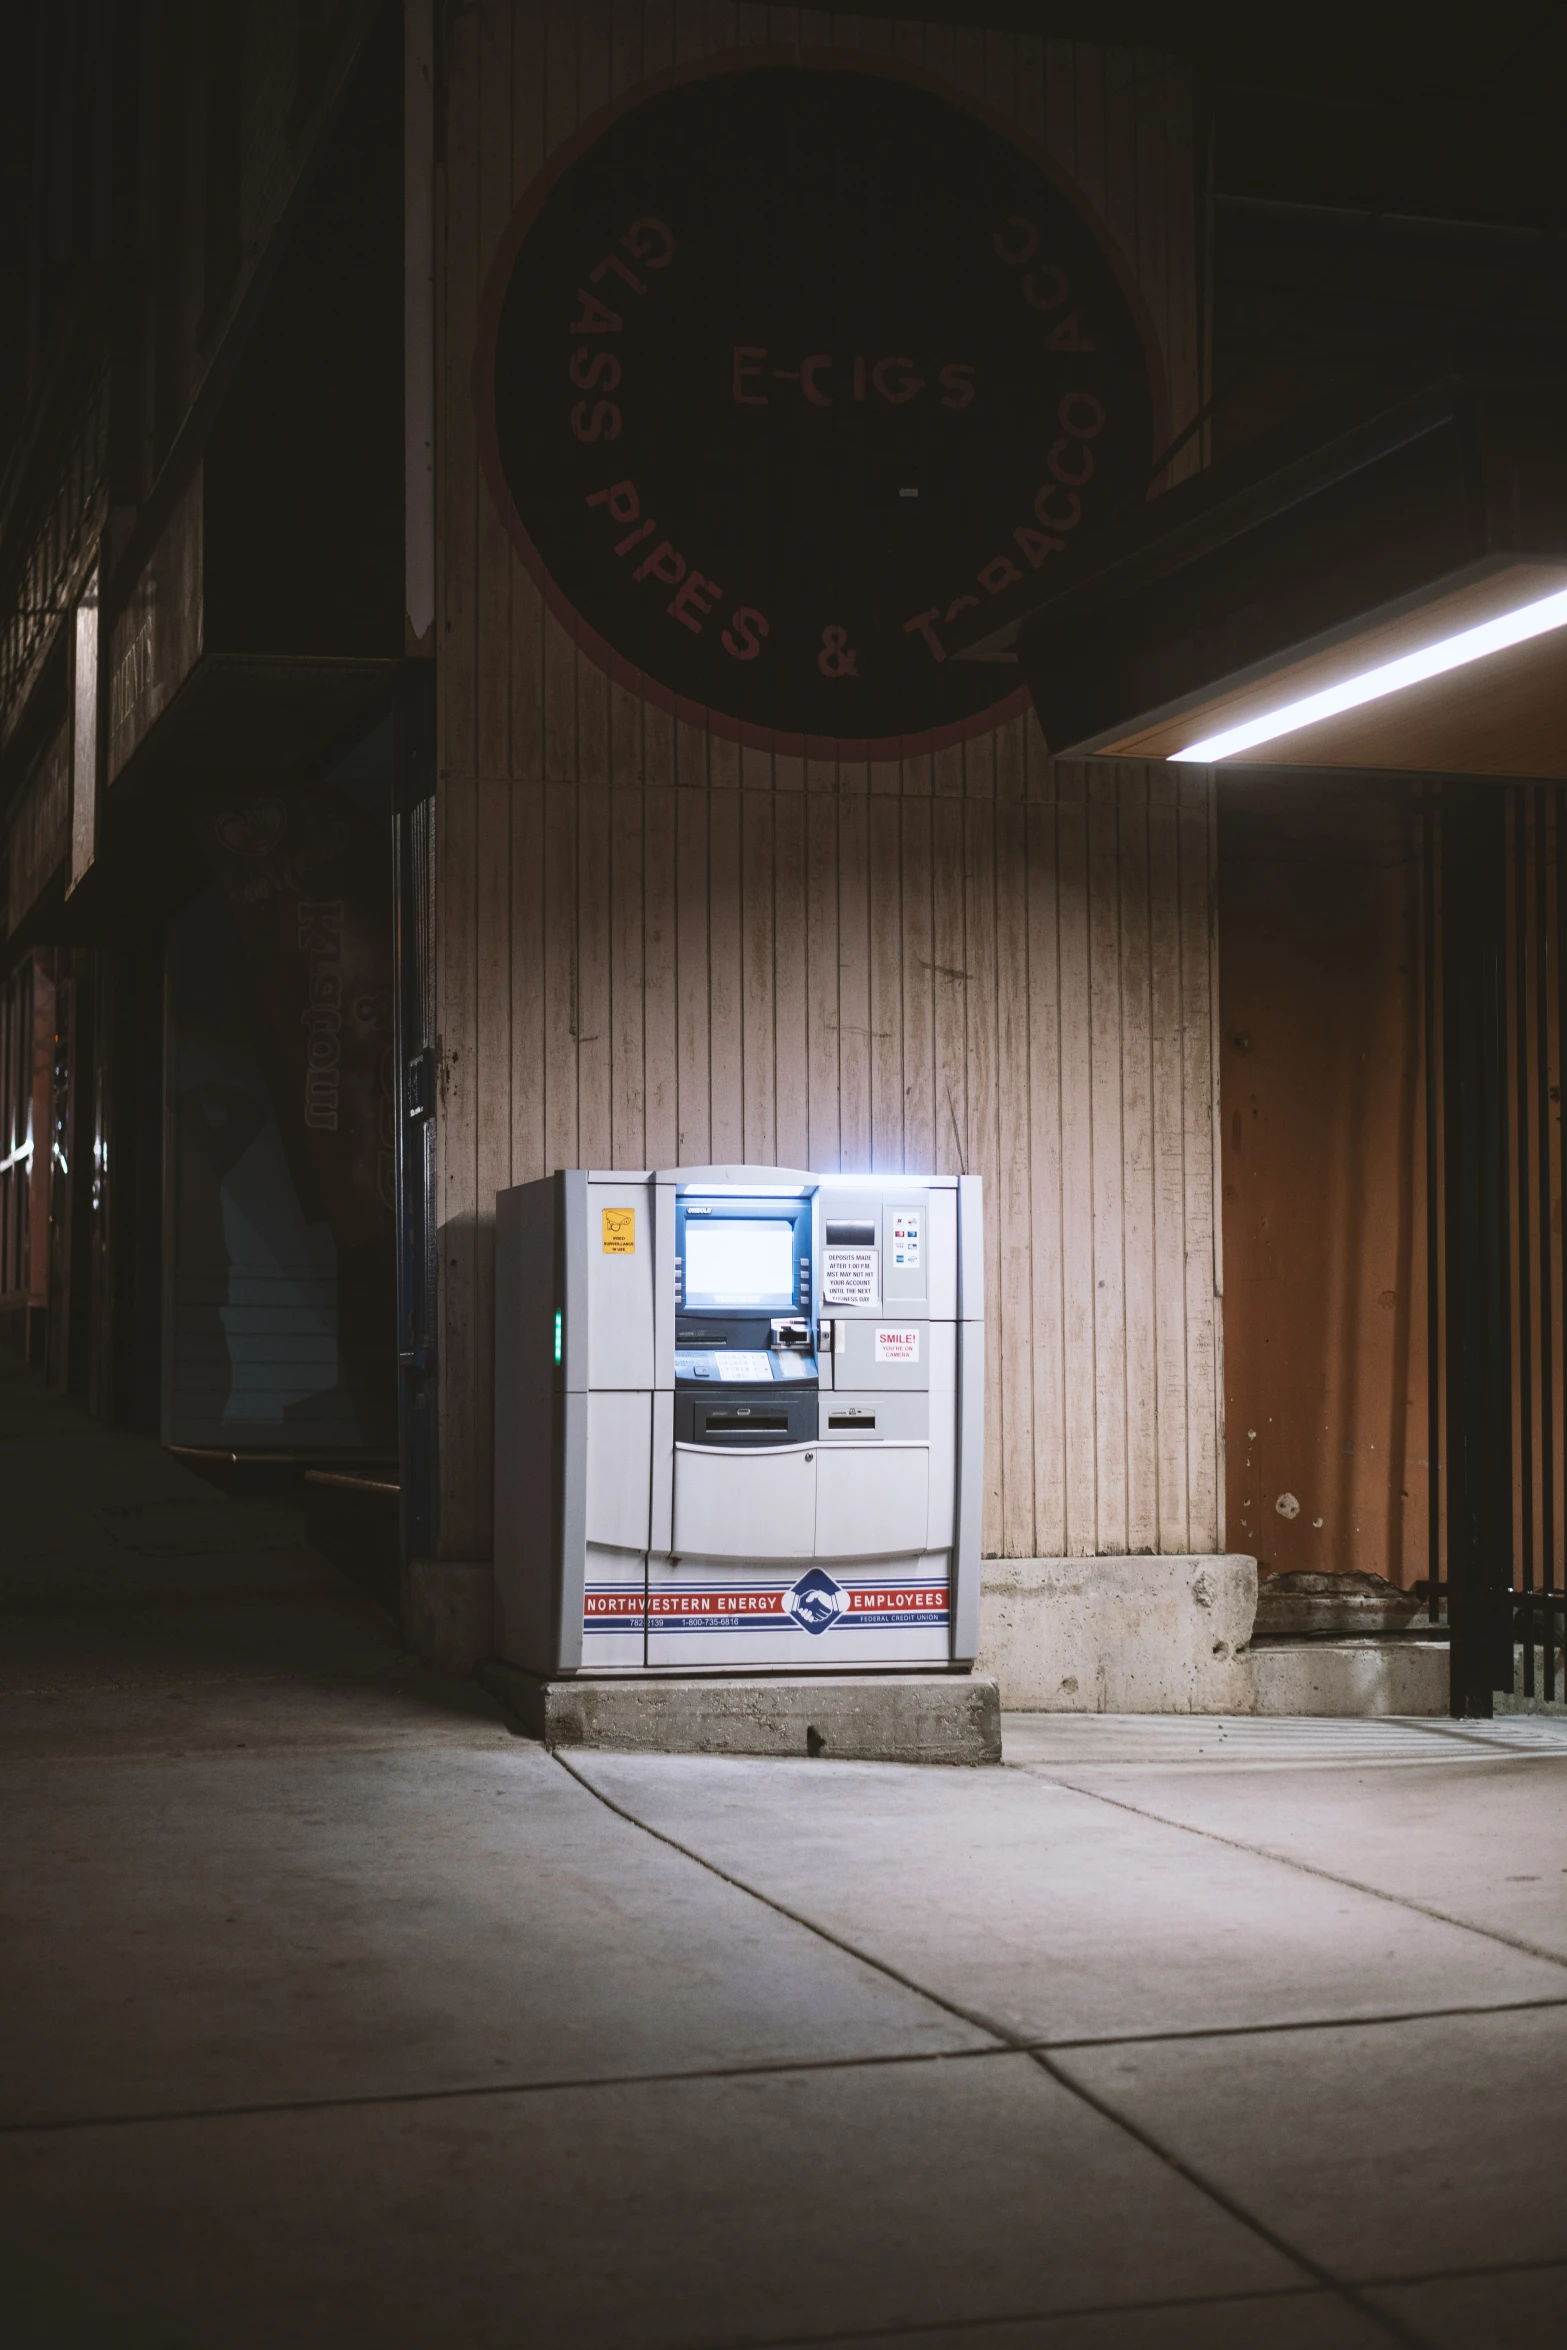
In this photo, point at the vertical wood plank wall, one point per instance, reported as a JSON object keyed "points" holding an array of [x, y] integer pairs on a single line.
{"points": [[656, 947]]}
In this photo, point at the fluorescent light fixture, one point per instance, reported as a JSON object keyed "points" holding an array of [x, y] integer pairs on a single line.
{"points": [[1449, 652]]}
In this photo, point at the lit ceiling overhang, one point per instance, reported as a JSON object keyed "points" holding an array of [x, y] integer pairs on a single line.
{"points": [[1365, 591]]}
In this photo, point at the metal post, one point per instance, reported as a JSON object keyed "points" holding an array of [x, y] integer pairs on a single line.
{"points": [[1479, 1446], [1552, 1608], [415, 1046], [1525, 1528], [1543, 797], [1429, 850]]}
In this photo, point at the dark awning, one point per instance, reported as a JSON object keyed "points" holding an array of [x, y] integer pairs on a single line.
{"points": [[1303, 563]]}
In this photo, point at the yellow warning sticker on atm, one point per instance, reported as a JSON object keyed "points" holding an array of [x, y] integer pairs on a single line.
{"points": [[620, 1232]]}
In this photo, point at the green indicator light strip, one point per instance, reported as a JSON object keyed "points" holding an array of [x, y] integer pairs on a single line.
{"points": [[557, 1337]]}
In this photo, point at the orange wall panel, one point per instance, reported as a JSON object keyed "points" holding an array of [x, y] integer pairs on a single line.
{"points": [[1323, 1172]]}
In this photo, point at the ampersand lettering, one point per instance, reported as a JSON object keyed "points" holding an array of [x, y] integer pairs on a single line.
{"points": [[835, 658]]}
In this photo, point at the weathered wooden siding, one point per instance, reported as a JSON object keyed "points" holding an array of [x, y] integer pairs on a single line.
{"points": [[657, 947]]}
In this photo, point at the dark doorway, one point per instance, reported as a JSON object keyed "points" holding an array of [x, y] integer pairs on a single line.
{"points": [[280, 1267]]}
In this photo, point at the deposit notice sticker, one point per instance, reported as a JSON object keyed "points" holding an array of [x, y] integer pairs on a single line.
{"points": [[849, 1277], [620, 1232], [897, 1346]]}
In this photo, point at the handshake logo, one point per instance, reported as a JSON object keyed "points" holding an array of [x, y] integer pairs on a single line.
{"points": [[816, 1601]]}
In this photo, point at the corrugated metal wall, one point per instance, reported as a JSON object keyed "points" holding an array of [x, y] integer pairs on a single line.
{"points": [[657, 947]]}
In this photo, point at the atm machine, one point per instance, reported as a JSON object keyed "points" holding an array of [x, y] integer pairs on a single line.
{"points": [[739, 1421]]}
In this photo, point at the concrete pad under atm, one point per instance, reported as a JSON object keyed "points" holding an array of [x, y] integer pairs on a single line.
{"points": [[865, 1717]]}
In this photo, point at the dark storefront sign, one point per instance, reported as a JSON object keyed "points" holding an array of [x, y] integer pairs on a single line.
{"points": [[789, 371]]}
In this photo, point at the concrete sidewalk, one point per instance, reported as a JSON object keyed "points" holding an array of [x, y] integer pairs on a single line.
{"points": [[335, 2013]]}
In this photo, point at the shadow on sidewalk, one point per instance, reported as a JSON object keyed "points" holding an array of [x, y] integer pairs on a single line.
{"points": [[122, 1571]]}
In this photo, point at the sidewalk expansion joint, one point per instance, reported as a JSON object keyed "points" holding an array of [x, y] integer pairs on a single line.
{"points": [[1306, 1868], [1017, 2044], [673, 2077], [1308, 2023], [904, 2329]]}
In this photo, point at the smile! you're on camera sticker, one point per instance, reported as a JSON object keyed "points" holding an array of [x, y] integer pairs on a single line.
{"points": [[897, 1346]]}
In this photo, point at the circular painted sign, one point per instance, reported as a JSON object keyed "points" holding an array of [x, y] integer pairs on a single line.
{"points": [[786, 372]]}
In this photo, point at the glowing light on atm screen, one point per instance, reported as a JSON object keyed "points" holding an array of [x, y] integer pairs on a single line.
{"points": [[739, 1261]]}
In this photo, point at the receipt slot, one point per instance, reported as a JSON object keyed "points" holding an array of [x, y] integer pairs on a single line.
{"points": [[739, 1421]]}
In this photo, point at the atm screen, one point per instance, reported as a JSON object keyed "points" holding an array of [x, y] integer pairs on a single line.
{"points": [[739, 1261]]}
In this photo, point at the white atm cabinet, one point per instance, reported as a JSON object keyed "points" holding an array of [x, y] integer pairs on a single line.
{"points": [[738, 1471], [620, 1288], [849, 1414], [619, 1467], [728, 1504], [872, 1499]]}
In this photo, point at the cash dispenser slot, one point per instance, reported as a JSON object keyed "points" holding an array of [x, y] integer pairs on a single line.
{"points": [[786, 1415]]}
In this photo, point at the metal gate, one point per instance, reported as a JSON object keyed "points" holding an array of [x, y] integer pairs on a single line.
{"points": [[1494, 888]]}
